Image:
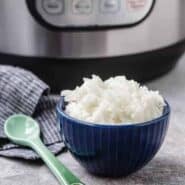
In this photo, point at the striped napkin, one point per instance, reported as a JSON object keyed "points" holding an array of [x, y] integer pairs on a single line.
{"points": [[22, 92]]}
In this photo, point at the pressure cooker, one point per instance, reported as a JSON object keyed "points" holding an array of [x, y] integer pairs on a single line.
{"points": [[64, 40]]}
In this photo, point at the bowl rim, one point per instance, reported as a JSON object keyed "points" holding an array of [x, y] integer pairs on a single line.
{"points": [[61, 112]]}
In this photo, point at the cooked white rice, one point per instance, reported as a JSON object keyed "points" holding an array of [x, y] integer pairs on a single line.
{"points": [[114, 101]]}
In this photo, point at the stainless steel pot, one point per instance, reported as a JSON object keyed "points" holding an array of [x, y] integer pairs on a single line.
{"points": [[22, 34]]}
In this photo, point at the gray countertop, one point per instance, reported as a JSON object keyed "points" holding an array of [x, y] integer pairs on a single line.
{"points": [[167, 168]]}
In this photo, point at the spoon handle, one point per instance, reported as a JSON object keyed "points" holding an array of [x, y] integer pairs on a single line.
{"points": [[64, 176]]}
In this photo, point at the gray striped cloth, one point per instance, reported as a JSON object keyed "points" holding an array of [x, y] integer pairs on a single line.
{"points": [[22, 92]]}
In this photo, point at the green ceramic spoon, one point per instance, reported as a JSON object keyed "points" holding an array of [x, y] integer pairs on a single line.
{"points": [[25, 131]]}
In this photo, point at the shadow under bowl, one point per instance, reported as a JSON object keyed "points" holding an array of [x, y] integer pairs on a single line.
{"points": [[112, 150]]}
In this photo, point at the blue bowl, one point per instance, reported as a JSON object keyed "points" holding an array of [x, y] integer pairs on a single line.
{"points": [[112, 150]]}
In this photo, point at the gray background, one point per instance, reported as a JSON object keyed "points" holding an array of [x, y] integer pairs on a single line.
{"points": [[167, 168]]}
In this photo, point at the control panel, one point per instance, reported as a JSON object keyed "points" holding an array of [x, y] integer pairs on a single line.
{"points": [[84, 13]]}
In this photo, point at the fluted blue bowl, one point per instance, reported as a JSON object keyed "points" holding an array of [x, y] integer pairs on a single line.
{"points": [[112, 150]]}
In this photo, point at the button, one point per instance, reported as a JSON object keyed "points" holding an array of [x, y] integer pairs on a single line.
{"points": [[109, 6], [82, 6], [136, 4], [53, 6]]}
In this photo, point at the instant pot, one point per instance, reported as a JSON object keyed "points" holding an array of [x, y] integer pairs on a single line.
{"points": [[64, 40]]}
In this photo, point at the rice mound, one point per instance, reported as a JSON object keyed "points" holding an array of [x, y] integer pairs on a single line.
{"points": [[114, 101]]}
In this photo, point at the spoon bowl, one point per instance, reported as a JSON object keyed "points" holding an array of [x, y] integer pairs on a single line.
{"points": [[21, 129]]}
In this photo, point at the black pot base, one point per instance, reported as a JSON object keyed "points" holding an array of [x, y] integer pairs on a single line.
{"points": [[67, 73]]}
